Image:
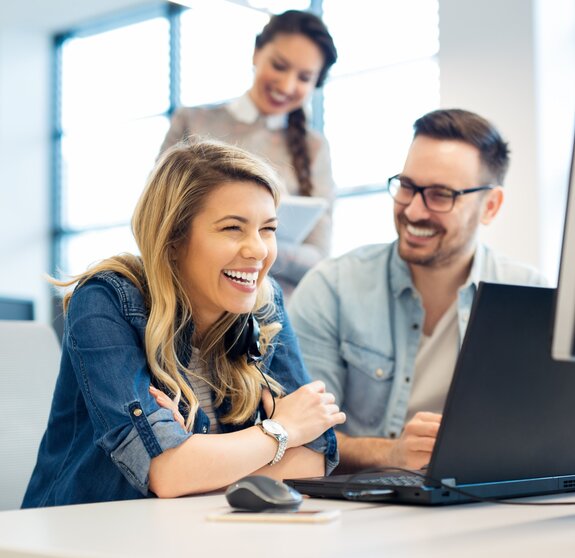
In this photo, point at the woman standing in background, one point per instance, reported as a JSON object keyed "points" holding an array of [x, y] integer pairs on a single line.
{"points": [[292, 56]]}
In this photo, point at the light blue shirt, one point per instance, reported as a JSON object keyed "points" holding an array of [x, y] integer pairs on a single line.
{"points": [[359, 320]]}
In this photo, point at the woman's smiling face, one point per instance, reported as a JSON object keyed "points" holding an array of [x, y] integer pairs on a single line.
{"points": [[285, 73], [230, 248]]}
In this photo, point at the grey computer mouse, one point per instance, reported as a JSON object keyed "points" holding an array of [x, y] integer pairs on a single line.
{"points": [[259, 493]]}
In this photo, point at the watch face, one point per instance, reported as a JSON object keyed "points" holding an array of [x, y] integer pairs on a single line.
{"points": [[273, 427]]}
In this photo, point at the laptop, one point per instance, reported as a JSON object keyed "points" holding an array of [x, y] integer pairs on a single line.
{"points": [[507, 428]]}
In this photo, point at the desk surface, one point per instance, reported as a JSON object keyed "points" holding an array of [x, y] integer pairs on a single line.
{"points": [[171, 528]]}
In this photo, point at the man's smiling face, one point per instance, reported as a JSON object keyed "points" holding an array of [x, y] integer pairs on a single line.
{"points": [[438, 239]]}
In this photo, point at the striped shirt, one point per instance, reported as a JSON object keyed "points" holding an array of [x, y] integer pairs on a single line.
{"points": [[202, 389]]}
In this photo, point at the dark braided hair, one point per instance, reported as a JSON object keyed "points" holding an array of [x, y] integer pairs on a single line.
{"points": [[295, 22]]}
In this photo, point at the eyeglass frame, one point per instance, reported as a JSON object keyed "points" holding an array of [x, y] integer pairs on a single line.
{"points": [[421, 190]]}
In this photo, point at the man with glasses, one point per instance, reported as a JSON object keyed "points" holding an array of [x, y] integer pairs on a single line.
{"points": [[382, 325]]}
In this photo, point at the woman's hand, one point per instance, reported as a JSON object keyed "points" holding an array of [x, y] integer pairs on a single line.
{"points": [[306, 413], [171, 404]]}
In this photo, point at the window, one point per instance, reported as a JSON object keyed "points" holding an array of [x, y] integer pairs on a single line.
{"points": [[208, 41], [115, 94], [118, 83], [386, 77]]}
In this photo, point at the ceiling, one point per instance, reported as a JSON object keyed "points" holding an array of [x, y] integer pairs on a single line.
{"points": [[59, 15], [53, 16]]}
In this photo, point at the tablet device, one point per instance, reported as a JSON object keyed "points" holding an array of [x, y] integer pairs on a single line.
{"points": [[297, 216]]}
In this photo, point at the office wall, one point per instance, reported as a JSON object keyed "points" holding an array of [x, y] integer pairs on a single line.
{"points": [[24, 166], [513, 61]]}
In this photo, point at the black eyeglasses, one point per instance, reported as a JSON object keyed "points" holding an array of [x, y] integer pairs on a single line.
{"points": [[439, 199]]}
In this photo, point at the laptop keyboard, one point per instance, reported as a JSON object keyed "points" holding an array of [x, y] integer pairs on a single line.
{"points": [[392, 480]]}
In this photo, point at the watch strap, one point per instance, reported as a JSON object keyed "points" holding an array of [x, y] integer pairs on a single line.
{"points": [[281, 439]]}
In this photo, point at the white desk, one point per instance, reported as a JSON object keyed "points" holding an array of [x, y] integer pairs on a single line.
{"points": [[178, 528]]}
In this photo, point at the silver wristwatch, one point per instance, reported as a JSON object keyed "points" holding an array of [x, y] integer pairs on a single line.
{"points": [[277, 431]]}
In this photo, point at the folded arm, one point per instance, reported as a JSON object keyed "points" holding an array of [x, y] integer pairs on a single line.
{"points": [[208, 462]]}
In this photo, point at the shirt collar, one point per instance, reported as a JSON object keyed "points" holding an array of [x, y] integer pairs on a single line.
{"points": [[244, 110], [401, 275], [475, 274]]}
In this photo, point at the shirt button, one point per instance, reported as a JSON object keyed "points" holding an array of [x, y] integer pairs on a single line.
{"points": [[415, 327], [137, 412], [407, 380], [392, 435], [204, 429], [379, 372]]}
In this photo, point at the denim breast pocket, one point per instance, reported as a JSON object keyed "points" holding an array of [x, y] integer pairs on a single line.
{"points": [[368, 385]]}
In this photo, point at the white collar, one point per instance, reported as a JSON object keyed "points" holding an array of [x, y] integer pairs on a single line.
{"points": [[244, 110]]}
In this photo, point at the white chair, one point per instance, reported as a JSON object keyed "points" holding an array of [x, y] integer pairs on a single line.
{"points": [[29, 364]]}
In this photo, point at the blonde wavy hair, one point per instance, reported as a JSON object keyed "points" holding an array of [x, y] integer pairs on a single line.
{"points": [[176, 192]]}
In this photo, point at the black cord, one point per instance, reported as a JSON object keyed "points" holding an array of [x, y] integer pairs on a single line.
{"points": [[364, 494], [269, 387]]}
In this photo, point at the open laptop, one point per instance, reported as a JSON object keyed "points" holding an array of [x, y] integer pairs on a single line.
{"points": [[507, 427]]}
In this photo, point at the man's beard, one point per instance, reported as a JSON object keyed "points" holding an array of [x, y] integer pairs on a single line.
{"points": [[431, 260], [427, 260], [443, 255]]}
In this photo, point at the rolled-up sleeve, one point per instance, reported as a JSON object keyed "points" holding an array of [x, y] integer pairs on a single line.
{"points": [[105, 345], [151, 436], [326, 444]]}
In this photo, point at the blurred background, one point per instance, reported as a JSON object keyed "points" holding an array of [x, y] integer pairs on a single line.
{"points": [[87, 88]]}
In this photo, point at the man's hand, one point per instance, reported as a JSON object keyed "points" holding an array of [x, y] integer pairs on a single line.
{"points": [[413, 448]]}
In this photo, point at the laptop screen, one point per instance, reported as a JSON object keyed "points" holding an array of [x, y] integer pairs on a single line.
{"points": [[510, 405]]}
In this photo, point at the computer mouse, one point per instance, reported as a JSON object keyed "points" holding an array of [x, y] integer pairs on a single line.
{"points": [[259, 493]]}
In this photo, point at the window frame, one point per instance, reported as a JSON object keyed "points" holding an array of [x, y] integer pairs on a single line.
{"points": [[59, 232], [171, 11]]}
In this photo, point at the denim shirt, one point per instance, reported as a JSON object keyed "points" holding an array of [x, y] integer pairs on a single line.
{"points": [[359, 320], [104, 426]]}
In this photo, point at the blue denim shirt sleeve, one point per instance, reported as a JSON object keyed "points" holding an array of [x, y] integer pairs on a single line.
{"points": [[105, 343], [286, 365]]}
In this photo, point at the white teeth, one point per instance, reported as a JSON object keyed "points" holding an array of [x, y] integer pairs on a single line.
{"points": [[419, 231], [278, 97], [242, 277]]}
